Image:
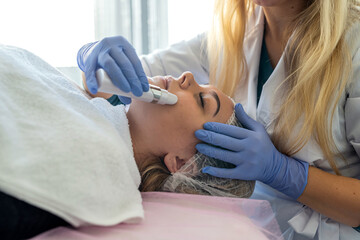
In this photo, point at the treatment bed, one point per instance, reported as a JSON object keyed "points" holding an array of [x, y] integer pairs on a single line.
{"points": [[184, 216]]}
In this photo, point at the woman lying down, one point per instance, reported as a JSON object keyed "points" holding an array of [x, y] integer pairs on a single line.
{"points": [[69, 158]]}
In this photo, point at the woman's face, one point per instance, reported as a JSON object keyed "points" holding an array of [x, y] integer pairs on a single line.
{"points": [[171, 127], [271, 3], [285, 4]]}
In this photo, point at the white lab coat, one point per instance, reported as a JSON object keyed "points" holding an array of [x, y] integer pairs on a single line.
{"points": [[296, 220]]}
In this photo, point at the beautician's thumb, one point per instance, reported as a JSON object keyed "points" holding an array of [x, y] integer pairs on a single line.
{"points": [[91, 82], [244, 119]]}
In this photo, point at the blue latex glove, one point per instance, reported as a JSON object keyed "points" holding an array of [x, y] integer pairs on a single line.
{"points": [[254, 155], [119, 60]]}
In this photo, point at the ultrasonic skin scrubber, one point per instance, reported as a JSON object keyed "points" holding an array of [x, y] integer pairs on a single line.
{"points": [[154, 95]]}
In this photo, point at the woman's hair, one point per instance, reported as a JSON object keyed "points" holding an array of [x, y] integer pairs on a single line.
{"points": [[317, 60], [153, 173], [224, 44]]}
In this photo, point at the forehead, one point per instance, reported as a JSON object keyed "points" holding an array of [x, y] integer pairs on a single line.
{"points": [[226, 104]]}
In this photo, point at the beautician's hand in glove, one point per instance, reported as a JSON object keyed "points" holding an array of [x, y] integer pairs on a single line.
{"points": [[119, 60], [253, 154]]}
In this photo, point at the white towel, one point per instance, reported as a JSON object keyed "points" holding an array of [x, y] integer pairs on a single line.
{"points": [[61, 151]]}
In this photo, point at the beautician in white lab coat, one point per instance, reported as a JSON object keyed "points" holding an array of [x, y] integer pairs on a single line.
{"points": [[314, 191]]}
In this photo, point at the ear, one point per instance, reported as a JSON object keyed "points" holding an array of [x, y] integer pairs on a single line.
{"points": [[173, 162]]}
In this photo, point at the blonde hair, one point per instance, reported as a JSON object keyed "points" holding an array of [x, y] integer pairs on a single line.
{"points": [[318, 66], [153, 173], [224, 44]]}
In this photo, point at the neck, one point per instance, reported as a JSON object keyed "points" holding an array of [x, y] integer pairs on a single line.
{"points": [[141, 141], [279, 18]]}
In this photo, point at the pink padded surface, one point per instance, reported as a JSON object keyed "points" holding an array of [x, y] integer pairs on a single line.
{"points": [[183, 216]]}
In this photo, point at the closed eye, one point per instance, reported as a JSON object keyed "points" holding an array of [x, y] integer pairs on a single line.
{"points": [[201, 99]]}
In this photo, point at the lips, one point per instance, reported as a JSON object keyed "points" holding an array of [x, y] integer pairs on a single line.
{"points": [[166, 83], [162, 82]]}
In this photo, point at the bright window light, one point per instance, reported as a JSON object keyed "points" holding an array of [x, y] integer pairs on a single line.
{"points": [[56, 29], [188, 18], [53, 30]]}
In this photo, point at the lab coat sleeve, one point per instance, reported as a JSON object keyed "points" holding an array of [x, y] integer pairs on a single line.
{"points": [[184, 56], [352, 106]]}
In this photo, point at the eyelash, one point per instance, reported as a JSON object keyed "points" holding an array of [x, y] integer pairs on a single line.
{"points": [[201, 99]]}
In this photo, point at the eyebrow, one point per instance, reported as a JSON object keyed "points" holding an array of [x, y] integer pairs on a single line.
{"points": [[214, 94]]}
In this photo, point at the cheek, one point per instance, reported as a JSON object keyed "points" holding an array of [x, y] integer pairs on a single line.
{"points": [[183, 143], [188, 115], [173, 126], [183, 127], [270, 3], [185, 119]]}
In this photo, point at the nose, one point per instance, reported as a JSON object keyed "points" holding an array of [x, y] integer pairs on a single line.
{"points": [[187, 80]]}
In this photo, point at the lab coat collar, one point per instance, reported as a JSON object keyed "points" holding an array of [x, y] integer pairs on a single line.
{"points": [[246, 91], [267, 106]]}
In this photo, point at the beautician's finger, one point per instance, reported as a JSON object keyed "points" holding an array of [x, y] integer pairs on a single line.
{"points": [[91, 81], [124, 100], [245, 119], [220, 140], [233, 173], [226, 129], [114, 72], [217, 172], [127, 69], [130, 52], [218, 153]]}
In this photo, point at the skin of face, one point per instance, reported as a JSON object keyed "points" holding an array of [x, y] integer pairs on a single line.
{"points": [[271, 3], [168, 130]]}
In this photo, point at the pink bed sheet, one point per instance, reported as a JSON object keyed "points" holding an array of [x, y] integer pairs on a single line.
{"points": [[184, 216]]}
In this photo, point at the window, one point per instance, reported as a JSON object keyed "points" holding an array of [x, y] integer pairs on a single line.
{"points": [[56, 29], [187, 18]]}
